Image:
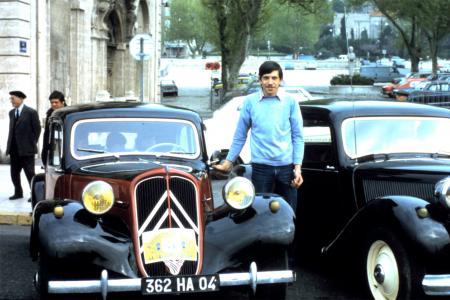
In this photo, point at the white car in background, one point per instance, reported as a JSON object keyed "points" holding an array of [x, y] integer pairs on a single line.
{"points": [[221, 127]]}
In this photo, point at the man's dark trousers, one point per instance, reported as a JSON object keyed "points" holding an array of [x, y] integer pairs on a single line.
{"points": [[17, 164], [275, 179]]}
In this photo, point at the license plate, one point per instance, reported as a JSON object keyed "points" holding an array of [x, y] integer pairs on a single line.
{"points": [[180, 284]]}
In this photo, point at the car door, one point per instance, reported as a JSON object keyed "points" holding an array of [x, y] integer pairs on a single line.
{"points": [[54, 164], [322, 206]]}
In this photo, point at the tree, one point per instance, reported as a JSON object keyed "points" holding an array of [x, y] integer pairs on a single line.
{"points": [[413, 19], [236, 22], [435, 25], [188, 23]]}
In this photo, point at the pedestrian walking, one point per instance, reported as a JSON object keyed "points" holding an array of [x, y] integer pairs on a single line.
{"points": [[24, 130], [276, 142], [57, 101]]}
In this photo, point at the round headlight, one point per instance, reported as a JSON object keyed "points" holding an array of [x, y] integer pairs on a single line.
{"points": [[239, 193], [442, 191], [98, 197]]}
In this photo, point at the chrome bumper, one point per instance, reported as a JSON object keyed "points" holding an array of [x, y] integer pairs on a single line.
{"points": [[105, 285], [436, 285]]}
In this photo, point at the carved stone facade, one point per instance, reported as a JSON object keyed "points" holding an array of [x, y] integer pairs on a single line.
{"points": [[80, 47]]}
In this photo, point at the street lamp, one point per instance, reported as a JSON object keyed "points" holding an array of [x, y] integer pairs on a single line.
{"points": [[268, 47]]}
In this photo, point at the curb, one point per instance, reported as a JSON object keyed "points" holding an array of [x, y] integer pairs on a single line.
{"points": [[14, 218]]}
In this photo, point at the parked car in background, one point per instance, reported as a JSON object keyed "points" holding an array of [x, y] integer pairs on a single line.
{"points": [[409, 81], [308, 62], [376, 192], [126, 204], [168, 87], [424, 87], [379, 73], [289, 65], [242, 82], [398, 62], [445, 67], [441, 99], [402, 94], [299, 92]]}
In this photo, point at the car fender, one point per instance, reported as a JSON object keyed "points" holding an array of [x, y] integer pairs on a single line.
{"points": [[398, 213], [78, 232], [37, 189], [234, 236]]}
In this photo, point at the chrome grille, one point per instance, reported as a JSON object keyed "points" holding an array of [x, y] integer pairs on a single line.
{"points": [[378, 188], [151, 192]]}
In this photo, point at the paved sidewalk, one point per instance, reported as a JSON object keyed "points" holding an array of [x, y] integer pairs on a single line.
{"points": [[14, 211]]}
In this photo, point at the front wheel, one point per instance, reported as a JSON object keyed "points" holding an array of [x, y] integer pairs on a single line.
{"points": [[390, 273], [278, 260]]}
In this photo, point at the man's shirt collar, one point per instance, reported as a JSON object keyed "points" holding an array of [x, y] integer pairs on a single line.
{"points": [[281, 95]]}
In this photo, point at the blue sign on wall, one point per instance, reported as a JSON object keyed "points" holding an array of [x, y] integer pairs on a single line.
{"points": [[23, 46]]}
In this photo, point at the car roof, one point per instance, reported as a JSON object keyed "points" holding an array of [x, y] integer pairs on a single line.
{"points": [[125, 109], [338, 110]]}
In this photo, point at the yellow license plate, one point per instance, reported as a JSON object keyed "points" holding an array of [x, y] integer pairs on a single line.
{"points": [[169, 244]]}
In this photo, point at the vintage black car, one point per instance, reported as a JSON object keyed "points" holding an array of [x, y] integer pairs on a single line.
{"points": [[126, 204], [376, 190]]}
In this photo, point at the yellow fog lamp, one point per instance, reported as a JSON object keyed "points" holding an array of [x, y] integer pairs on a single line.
{"points": [[239, 193], [98, 197]]}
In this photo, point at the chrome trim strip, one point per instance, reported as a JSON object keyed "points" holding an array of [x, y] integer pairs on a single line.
{"points": [[436, 285], [152, 213], [105, 285]]}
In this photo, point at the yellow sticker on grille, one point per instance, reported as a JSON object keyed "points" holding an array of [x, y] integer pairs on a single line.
{"points": [[169, 244]]}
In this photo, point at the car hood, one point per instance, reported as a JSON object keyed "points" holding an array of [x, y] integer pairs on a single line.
{"points": [[406, 177], [406, 167], [128, 169]]}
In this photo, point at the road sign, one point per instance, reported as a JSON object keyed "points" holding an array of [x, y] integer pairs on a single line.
{"points": [[147, 46]]}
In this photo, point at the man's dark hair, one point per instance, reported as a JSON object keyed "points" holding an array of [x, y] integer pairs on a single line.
{"points": [[57, 95], [268, 67]]}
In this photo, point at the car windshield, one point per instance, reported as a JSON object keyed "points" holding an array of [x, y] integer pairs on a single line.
{"points": [[167, 82], [384, 135], [133, 136]]}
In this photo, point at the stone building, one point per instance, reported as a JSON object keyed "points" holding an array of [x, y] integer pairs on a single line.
{"points": [[80, 47]]}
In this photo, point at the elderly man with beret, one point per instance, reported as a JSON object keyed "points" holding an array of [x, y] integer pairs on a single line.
{"points": [[24, 131]]}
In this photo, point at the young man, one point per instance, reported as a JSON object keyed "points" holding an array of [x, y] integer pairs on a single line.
{"points": [[57, 100], [24, 130], [276, 142]]}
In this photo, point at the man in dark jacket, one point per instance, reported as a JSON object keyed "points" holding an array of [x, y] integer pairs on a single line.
{"points": [[57, 100], [24, 130]]}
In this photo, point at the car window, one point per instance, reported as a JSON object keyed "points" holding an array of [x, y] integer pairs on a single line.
{"points": [[432, 87], [375, 135], [104, 137], [318, 146], [56, 139]]}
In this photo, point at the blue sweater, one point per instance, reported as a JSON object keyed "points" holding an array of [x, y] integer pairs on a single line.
{"points": [[276, 136]]}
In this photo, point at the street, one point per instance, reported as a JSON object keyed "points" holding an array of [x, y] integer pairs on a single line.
{"points": [[314, 280]]}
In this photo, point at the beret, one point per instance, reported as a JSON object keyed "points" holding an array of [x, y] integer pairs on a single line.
{"points": [[18, 94]]}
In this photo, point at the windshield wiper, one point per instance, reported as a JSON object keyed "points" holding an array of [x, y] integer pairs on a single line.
{"points": [[440, 155], [91, 150], [181, 152], [373, 157]]}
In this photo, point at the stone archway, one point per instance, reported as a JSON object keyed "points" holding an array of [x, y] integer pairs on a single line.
{"points": [[115, 54]]}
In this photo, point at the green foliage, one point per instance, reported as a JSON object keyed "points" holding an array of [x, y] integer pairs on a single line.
{"points": [[417, 22], [188, 22], [290, 29], [356, 79]]}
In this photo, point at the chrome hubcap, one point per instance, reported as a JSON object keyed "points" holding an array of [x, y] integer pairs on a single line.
{"points": [[382, 271], [378, 273]]}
